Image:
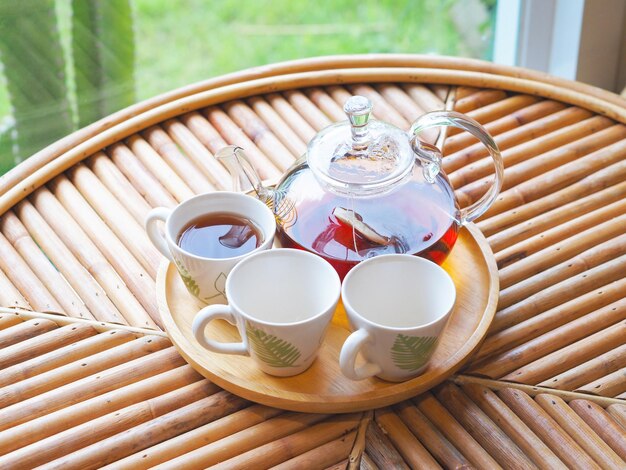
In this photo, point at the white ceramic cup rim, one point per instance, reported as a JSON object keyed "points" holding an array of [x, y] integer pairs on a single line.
{"points": [[283, 252], [426, 264], [267, 236]]}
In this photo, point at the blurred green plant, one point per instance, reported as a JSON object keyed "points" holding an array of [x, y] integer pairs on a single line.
{"points": [[51, 91], [94, 51]]}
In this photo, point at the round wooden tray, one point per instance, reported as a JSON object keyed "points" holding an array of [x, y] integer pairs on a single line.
{"points": [[322, 388]]}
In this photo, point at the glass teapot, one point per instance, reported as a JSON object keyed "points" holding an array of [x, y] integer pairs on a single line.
{"points": [[366, 188]]}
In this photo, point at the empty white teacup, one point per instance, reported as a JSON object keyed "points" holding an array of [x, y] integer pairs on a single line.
{"points": [[205, 277], [281, 301], [397, 306]]}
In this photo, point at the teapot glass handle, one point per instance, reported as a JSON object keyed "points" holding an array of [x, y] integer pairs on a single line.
{"points": [[454, 119]]}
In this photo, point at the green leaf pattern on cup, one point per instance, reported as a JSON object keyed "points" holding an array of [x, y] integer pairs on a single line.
{"points": [[412, 352], [270, 349], [190, 283]]}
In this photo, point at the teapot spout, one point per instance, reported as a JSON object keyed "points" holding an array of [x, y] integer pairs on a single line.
{"points": [[243, 175]]}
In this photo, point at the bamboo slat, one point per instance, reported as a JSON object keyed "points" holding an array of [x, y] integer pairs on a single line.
{"points": [[307, 110], [610, 385], [121, 188], [200, 436], [600, 421], [547, 429], [516, 135], [550, 348], [482, 428], [102, 428], [122, 396], [381, 108], [299, 125], [559, 293], [551, 319], [326, 103], [19, 237], [380, 451], [584, 436], [121, 222], [8, 320], [278, 125], [61, 355], [424, 97], [511, 230], [535, 157], [77, 275], [573, 354], [276, 452], [589, 371], [440, 447], [90, 257], [533, 111], [88, 387], [23, 331], [25, 280], [478, 99], [589, 259], [141, 179], [515, 428], [245, 440], [324, 456], [454, 431], [197, 152], [260, 134], [85, 367], [151, 432], [9, 295], [234, 135], [400, 101], [157, 166], [46, 342], [167, 149], [532, 244], [412, 451], [618, 413], [497, 110], [340, 94], [130, 270], [558, 178]]}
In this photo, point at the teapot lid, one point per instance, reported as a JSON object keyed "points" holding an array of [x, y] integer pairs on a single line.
{"points": [[360, 155]]}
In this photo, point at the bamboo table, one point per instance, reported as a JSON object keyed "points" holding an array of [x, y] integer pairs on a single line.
{"points": [[88, 378]]}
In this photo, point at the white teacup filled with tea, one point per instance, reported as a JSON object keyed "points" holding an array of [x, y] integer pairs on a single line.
{"points": [[207, 235], [397, 306], [282, 302]]}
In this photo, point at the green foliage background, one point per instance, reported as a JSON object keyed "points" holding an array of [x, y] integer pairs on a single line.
{"points": [[110, 53]]}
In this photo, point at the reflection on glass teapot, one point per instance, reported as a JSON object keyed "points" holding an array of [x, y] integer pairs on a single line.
{"points": [[366, 188]]}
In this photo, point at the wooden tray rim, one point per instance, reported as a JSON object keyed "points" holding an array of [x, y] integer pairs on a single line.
{"points": [[372, 398]]}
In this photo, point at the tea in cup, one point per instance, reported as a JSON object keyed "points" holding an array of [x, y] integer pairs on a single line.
{"points": [[397, 306], [282, 302], [207, 235]]}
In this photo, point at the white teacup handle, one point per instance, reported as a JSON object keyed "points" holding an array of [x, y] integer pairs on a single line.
{"points": [[216, 312], [155, 236], [347, 357]]}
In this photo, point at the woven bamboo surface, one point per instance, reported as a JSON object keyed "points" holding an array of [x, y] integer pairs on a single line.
{"points": [[103, 385]]}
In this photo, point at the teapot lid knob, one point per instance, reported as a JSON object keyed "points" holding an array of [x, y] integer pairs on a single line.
{"points": [[359, 109]]}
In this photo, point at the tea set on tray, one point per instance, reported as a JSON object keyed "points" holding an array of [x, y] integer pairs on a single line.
{"points": [[367, 215]]}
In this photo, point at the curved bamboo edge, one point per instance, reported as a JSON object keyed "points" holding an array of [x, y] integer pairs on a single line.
{"points": [[62, 320], [47, 154], [30, 181]]}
